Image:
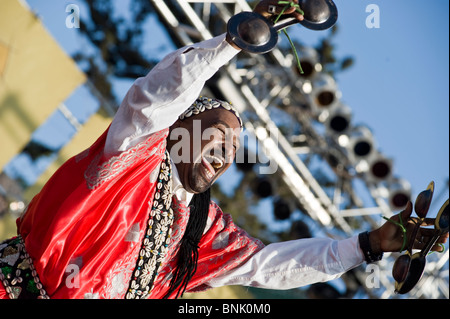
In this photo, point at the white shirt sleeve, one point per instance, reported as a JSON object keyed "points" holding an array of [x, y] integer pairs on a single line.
{"points": [[294, 264], [155, 101]]}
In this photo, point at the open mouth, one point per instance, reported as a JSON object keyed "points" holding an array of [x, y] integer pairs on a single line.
{"points": [[212, 164]]}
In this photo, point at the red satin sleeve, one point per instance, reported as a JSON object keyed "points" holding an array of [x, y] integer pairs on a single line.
{"points": [[3, 294], [223, 247]]}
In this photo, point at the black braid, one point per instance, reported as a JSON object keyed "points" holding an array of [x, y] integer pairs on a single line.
{"points": [[188, 253]]}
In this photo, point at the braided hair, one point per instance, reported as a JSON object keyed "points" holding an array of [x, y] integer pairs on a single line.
{"points": [[188, 252]]}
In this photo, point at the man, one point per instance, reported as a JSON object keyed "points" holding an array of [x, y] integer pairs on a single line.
{"points": [[131, 216]]}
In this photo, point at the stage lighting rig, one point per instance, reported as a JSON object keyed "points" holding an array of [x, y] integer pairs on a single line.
{"points": [[399, 193], [255, 83], [360, 145], [309, 61], [262, 187], [324, 95], [338, 121], [380, 168], [281, 209]]}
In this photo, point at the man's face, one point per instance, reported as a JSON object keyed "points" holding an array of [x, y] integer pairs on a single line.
{"points": [[211, 144]]}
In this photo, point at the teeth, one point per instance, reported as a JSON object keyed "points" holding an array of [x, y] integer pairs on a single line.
{"points": [[209, 174]]}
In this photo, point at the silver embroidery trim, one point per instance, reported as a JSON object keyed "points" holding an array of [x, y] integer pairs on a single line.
{"points": [[157, 237], [97, 174]]}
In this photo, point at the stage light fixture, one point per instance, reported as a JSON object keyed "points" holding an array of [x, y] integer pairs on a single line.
{"points": [[262, 187], [361, 145], [380, 168], [299, 230], [309, 60], [339, 120], [324, 94], [281, 209], [399, 193]]}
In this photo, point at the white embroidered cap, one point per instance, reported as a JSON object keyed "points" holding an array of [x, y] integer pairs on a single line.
{"points": [[205, 103]]}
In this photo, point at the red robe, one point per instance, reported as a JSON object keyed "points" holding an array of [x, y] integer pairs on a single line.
{"points": [[84, 230]]}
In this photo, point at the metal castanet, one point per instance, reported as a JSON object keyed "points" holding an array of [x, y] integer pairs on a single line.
{"points": [[415, 265], [319, 15], [255, 34], [423, 201], [421, 207]]}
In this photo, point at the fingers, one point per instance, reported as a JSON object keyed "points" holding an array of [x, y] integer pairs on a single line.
{"points": [[438, 247], [425, 222], [406, 216], [270, 8], [425, 235], [298, 16], [406, 213]]}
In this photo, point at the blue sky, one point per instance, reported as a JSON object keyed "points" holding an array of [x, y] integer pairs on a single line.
{"points": [[398, 86]]}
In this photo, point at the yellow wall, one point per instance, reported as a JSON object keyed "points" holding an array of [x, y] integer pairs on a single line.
{"points": [[36, 76], [88, 134]]}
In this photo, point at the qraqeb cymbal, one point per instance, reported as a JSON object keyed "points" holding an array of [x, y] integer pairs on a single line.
{"points": [[319, 14], [255, 34]]}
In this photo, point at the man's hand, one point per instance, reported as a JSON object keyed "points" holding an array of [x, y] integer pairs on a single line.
{"points": [[271, 8], [389, 237]]}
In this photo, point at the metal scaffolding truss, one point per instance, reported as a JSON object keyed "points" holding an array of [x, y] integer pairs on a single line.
{"points": [[262, 85]]}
